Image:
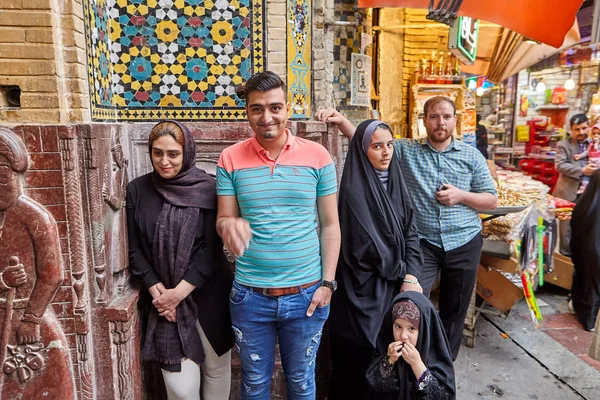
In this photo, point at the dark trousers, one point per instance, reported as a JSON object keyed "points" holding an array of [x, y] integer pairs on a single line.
{"points": [[458, 275], [350, 360]]}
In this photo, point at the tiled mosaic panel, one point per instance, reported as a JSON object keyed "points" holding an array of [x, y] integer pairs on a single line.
{"points": [[347, 41], [299, 41], [179, 59], [98, 52]]}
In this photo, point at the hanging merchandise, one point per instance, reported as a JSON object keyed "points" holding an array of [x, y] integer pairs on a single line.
{"points": [[523, 106], [559, 95]]}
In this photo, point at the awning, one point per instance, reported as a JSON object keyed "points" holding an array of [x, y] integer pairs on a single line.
{"points": [[502, 53], [546, 21]]}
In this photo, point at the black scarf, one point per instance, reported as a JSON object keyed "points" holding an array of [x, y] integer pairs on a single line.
{"points": [[432, 345], [373, 221], [184, 195]]}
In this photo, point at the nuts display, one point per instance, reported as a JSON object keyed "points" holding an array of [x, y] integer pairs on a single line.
{"points": [[511, 198]]}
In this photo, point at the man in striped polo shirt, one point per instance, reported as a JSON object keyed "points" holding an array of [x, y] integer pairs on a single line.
{"points": [[274, 189], [449, 181]]}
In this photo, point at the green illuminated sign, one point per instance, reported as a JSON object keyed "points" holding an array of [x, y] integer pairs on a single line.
{"points": [[462, 41]]}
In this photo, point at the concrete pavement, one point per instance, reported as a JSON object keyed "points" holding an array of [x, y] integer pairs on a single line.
{"points": [[548, 363]]}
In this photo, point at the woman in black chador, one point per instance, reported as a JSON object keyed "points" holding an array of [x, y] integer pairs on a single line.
{"points": [[585, 253], [380, 254], [175, 251], [413, 359]]}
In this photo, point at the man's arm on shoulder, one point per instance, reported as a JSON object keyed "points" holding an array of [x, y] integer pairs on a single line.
{"points": [[562, 163], [332, 116]]}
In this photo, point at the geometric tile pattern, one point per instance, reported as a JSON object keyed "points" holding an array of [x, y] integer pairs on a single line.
{"points": [[299, 39], [179, 59], [347, 41]]}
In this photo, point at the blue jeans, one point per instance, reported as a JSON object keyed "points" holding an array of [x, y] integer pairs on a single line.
{"points": [[260, 321]]}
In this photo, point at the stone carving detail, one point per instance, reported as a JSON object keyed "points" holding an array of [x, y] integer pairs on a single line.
{"points": [[114, 188], [32, 342], [97, 228], [121, 332], [85, 368], [75, 226], [25, 359]]}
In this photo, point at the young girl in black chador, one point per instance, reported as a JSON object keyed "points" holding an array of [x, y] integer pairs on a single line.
{"points": [[413, 358]]}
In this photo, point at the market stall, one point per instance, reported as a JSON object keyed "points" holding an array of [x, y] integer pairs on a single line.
{"points": [[518, 252]]}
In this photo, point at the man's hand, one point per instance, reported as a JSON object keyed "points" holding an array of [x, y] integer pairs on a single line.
{"points": [[14, 276], [589, 169], [236, 234], [321, 298], [330, 115], [407, 286], [28, 333], [450, 195]]}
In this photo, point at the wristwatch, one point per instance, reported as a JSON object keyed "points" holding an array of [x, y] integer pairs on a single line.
{"points": [[330, 284]]}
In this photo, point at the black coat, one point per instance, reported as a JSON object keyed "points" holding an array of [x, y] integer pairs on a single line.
{"points": [[585, 253], [208, 269]]}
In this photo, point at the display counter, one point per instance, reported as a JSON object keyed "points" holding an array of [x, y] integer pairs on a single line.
{"points": [[518, 252]]}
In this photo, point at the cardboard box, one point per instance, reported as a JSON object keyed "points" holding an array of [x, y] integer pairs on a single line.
{"points": [[496, 289], [562, 275], [510, 266]]}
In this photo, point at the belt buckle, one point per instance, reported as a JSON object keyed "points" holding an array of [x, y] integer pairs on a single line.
{"points": [[265, 292]]}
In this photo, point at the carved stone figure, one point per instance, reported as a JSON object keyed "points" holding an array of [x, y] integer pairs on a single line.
{"points": [[113, 193], [33, 349]]}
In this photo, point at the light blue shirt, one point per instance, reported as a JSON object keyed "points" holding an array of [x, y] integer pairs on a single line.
{"points": [[425, 169]]}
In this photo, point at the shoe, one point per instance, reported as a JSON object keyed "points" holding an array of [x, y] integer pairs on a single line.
{"points": [[571, 308]]}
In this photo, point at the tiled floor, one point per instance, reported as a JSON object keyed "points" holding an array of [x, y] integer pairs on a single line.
{"points": [[566, 330]]}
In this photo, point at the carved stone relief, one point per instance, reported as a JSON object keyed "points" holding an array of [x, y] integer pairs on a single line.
{"points": [[33, 348], [94, 191], [114, 188]]}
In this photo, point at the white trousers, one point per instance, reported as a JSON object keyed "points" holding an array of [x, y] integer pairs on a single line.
{"points": [[215, 376]]}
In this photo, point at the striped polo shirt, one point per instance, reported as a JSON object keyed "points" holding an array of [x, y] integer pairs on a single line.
{"points": [[279, 200], [426, 169]]}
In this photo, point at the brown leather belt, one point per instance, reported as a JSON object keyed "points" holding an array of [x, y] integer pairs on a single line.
{"points": [[275, 292]]}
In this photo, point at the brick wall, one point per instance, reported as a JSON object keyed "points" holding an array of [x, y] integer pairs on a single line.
{"points": [[276, 37], [42, 50]]}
